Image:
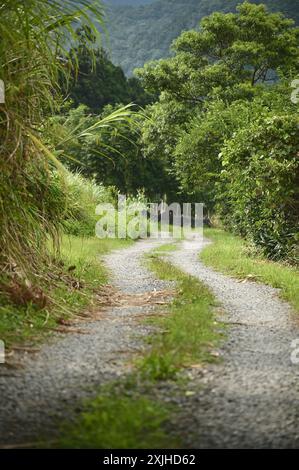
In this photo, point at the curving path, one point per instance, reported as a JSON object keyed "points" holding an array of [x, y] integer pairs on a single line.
{"points": [[250, 400], [50, 385]]}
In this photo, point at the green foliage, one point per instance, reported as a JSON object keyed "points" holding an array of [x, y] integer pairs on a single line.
{"points": [[197, 161], [82, 197], [139, 34], [261, 181], [112, 157], [159, 134], [97, 82]]}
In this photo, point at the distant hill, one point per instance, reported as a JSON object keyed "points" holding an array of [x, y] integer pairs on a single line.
{"points": [[143, 30], [128, 2]]}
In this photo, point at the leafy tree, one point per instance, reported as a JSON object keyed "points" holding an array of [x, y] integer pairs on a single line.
{"points": [[230, 59], [228, 55], [138, 34]]}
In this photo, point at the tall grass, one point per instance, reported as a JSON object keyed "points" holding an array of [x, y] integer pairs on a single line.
{"points": [[35, 38], [83, 195]]}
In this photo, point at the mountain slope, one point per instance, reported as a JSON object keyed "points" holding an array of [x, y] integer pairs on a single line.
{"points": [[128, 2], [139, 33]]}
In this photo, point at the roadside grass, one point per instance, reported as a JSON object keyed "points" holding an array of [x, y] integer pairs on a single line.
{"points": [[166, 248], [121, 417], [84, 254], [70, 291], [230, 255], [188, 332]]}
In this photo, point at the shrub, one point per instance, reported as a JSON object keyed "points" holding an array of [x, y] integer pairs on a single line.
{"points": [[261, 184], [83, 195]]}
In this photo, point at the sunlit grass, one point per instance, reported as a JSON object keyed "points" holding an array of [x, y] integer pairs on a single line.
{"points": [[229, 254], [80, 260], [188, 331]]}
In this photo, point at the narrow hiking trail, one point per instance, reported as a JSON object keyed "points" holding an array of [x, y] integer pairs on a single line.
{"points": [[250, 399]]}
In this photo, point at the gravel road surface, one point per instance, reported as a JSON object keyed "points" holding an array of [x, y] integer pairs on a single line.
{"points": [[48, 386], [251, 400]]}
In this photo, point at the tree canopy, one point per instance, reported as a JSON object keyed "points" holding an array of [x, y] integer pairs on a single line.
{"points": [[228, 55], [97, 81], [225, 123], [139, 33]]}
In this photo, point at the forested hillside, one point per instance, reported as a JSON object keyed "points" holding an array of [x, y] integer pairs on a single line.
{"points": [[128, 2], [142, 33]]}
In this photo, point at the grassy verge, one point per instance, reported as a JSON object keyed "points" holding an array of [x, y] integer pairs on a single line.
{"points": [[125, 414], [230, 255], [168, 247], [70, 291], [121, 417], [189, 331]]}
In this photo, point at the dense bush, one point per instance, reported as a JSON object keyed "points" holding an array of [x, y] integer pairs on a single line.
{"points": [[260, 197], [197, 160]]}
